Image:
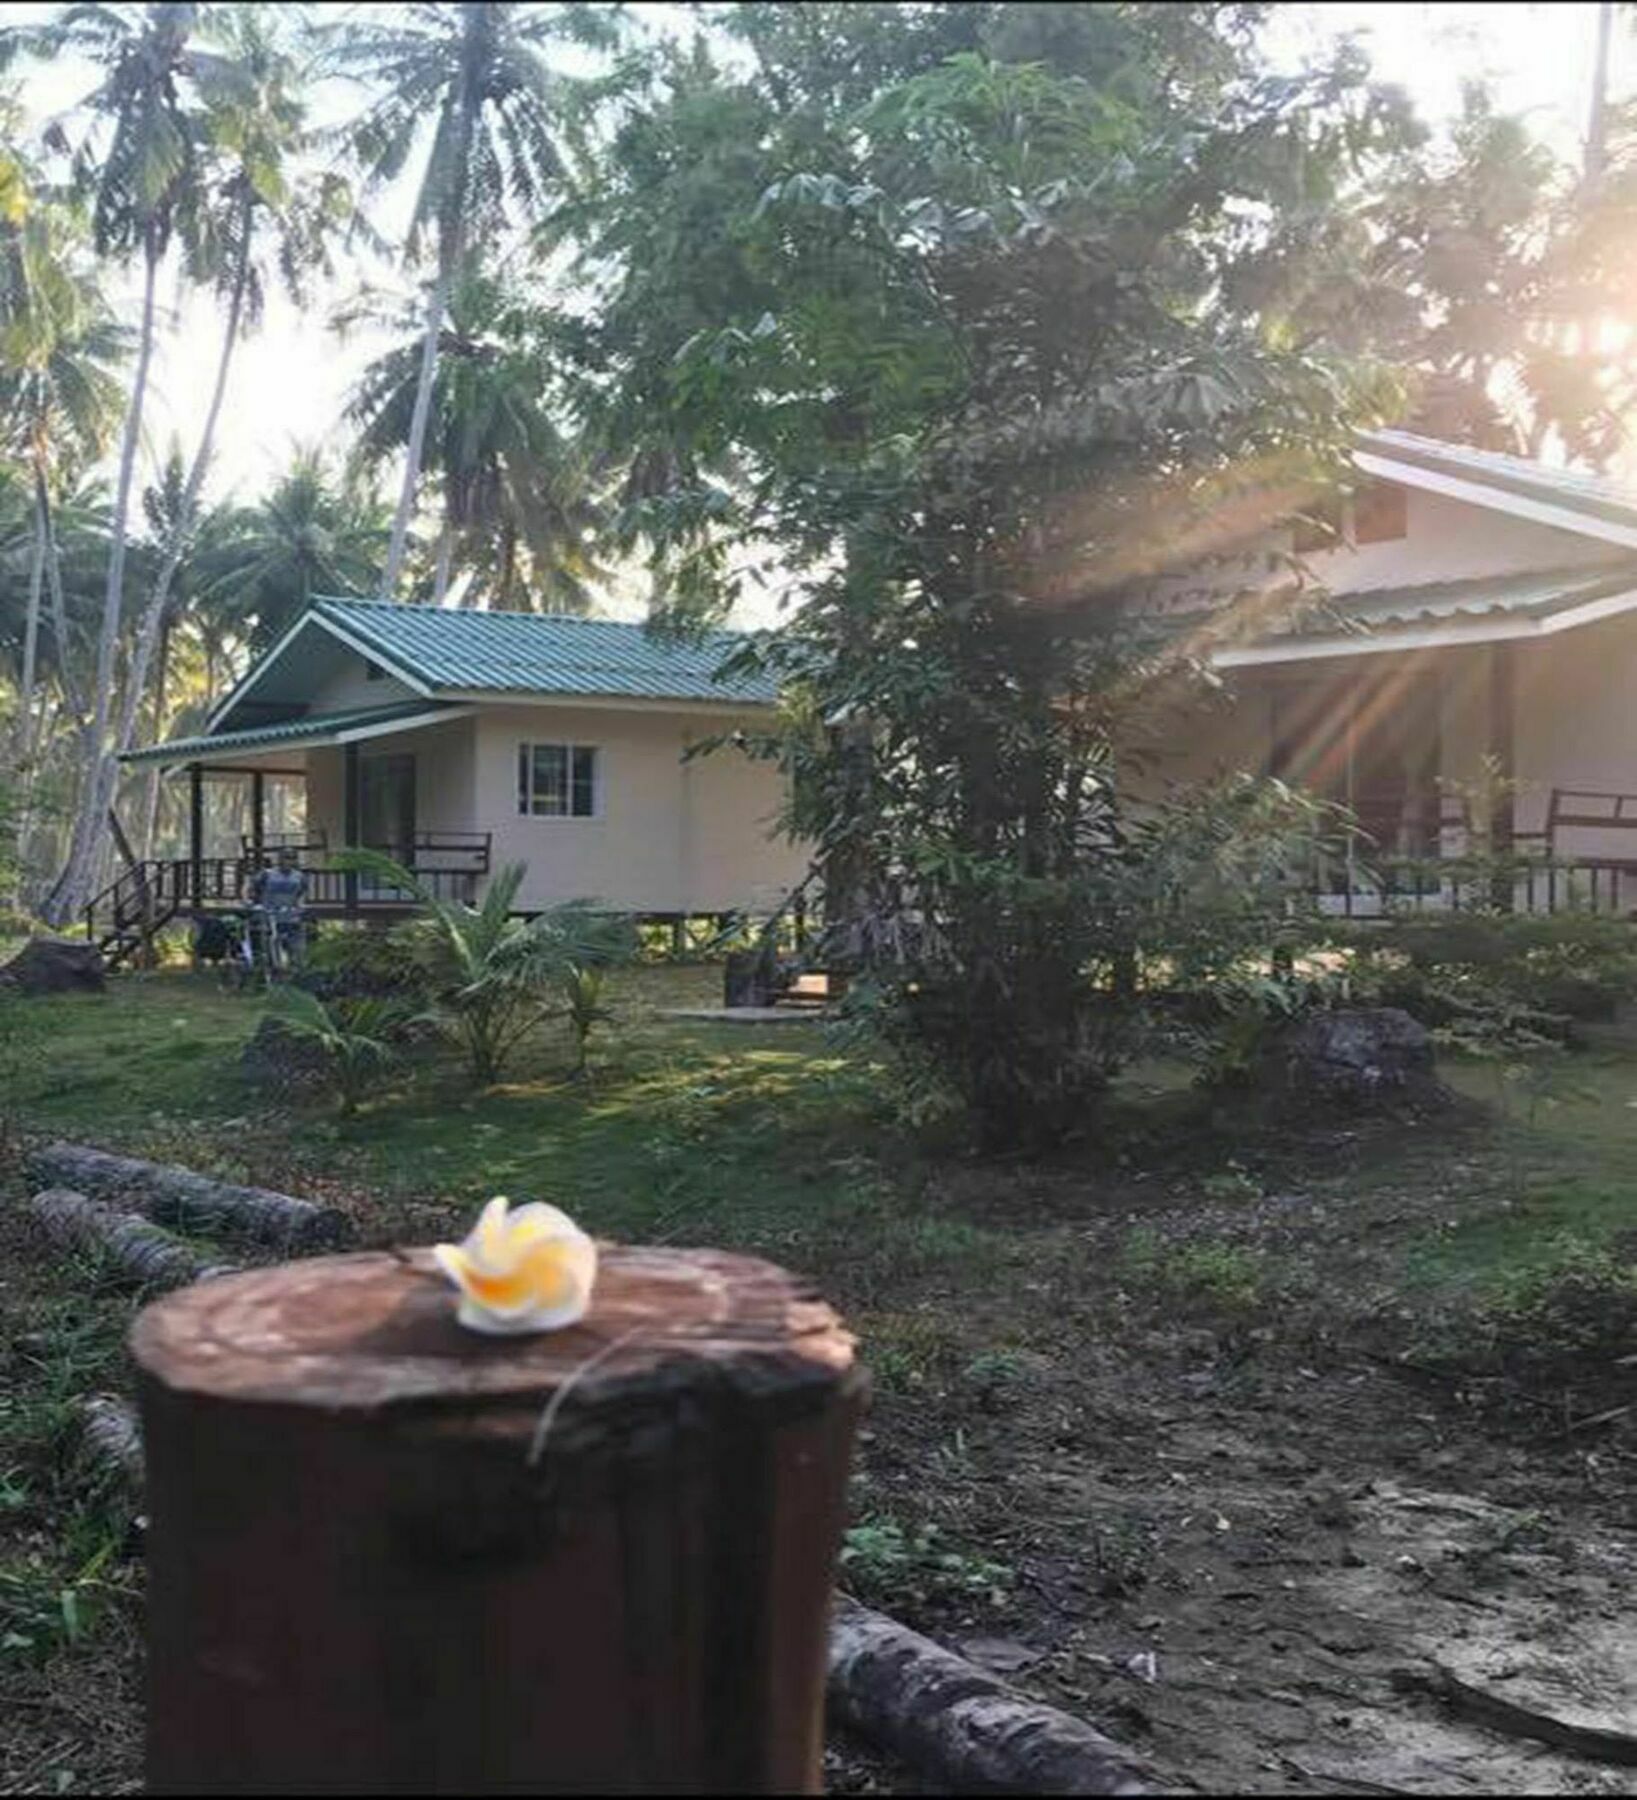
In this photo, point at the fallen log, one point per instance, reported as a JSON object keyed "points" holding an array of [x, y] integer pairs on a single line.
{"points": [[143, 1254], [958, 1725], [110, 1438], [184, 1201]]}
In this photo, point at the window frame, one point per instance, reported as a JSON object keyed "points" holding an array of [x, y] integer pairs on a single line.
{"points": [[528, 749]]}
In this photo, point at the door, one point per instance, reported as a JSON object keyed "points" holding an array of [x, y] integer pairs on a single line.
{"points": [[388, 795]]}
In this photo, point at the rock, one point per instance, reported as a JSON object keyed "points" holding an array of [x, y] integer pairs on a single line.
{"points": [[284, 1063], [1356, 1057], [55, 966]]}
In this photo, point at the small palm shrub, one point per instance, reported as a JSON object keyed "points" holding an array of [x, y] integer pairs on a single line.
{"points": [[354, 1035], [494, 977]]}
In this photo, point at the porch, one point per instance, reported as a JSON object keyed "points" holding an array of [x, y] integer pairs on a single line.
{"points": [[1480, 740], [340, 781]]}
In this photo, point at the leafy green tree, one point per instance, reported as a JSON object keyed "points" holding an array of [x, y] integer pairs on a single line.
{"points": [[60, 398], [475, 81], [961, 344], [522, 506]]}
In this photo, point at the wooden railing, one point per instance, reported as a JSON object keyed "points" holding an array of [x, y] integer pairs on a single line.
{"points": [[1386, 887], [148, 895]]}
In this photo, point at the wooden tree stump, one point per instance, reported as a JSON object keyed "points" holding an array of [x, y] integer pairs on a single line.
{"points": [[361, 1578]]}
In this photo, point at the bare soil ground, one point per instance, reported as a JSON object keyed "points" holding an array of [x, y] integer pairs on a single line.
{"points": [[1226, 1435], [1249, 1525]]}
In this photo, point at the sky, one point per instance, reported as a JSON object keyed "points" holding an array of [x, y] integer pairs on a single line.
{"points": [[291, 379]]}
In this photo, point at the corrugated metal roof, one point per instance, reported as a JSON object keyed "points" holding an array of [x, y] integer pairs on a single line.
{"points": [[307, 730], [1476, 610], [544, 653], [1540, 592], [1593, 496]]}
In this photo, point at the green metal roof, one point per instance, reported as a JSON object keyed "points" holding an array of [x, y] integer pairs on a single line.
{"points": [[542, 653], [1592, 496], [311, 729], [1346, 621]]}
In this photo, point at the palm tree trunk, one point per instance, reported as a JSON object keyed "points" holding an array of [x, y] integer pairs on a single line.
{"points": [[446, 551], [154, 618], [24, 746], [59, 605], [150, 802], [1597, 121], [31, 644], [72, 889], [436, 306]]}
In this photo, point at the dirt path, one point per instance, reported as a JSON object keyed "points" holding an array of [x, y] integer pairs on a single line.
{"points": [[1246, 1540]]}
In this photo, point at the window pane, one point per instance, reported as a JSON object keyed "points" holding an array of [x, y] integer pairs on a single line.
{"points": [[551, 779], [585, 782], [522, 778]]}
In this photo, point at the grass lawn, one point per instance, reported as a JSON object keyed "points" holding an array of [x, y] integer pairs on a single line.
{"points": [[1287, 1413]]}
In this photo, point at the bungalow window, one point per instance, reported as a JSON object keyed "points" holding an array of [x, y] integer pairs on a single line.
{"points": [[557, 781], [1380, 515]]}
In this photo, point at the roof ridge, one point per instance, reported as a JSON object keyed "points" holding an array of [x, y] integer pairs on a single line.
{"points": [[424, 608]]}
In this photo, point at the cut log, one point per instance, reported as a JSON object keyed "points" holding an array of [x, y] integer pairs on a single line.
{"points": [[361, 1579], [960, 1727], [141, 1253], [184, 1201], [883, 1679], [111, 1439]]}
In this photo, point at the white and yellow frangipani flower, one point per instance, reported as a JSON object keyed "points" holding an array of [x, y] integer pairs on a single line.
{"points": [[529, 1270]]}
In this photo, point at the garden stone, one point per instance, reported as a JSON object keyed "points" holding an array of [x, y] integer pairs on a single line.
{"points": [[55, 966], [1357, 1057]]}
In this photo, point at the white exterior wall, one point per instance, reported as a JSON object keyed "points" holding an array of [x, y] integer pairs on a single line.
{"points": [[1451, 540], [1577, 727], [669, 836], [1444, 540], [445, 797]]}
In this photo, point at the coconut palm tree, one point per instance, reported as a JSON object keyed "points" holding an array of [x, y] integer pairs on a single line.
{"points": [[472, 80], [310, 535], [245, 207], [522, 506], [60, 398], [136, 162]]}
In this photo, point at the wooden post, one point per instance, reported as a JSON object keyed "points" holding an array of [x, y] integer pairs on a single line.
{"points": [[258, 815], [351, 815], [361, 1579], [1503, 748], [196, 833]]}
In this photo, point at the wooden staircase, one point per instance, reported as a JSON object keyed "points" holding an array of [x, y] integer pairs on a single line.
{"points": [[124, 919]]}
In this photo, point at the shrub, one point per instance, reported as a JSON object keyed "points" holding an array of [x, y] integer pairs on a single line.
{"points": [[354, 1036], [1490, 980], [356, 962]]}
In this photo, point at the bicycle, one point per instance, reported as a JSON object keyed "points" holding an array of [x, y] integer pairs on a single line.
{"points": [[267, 945]]}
